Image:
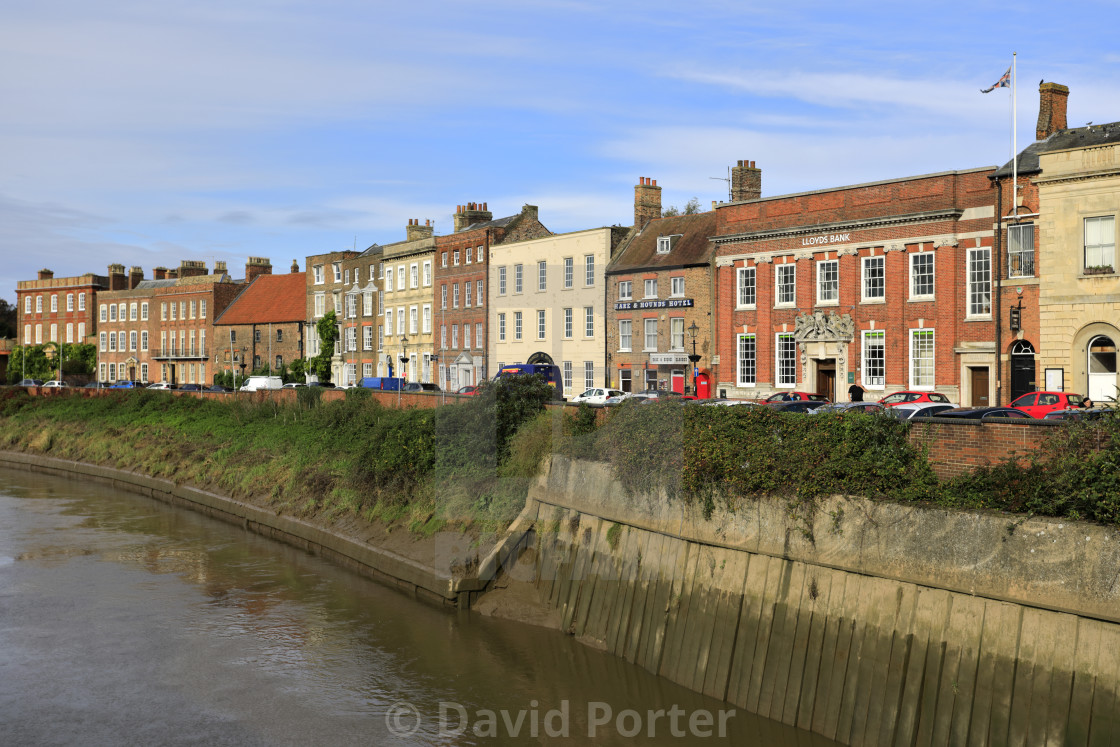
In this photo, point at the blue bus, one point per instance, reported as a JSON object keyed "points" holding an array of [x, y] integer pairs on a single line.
{"points": [[550, 372]]}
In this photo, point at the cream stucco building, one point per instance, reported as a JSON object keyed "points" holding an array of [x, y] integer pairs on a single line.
{"points": [[406, 282], [1079, 296], [548, 296]]}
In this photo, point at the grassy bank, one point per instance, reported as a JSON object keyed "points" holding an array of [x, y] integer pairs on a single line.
{"points": [[454, 465]]}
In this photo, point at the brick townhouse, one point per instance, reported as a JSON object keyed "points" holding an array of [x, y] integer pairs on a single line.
{"points": [[461, 292], [888, 285], [124, 326], [362, 314], [659, 299], [325, 286], [264, 325], [51, 309]]}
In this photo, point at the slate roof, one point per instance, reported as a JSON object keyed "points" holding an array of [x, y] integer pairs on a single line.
{"points": [[694, 246], [269, 298], [1078, 137], [149, 284]]}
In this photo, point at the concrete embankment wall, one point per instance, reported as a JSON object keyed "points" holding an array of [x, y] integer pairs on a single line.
{"points": [[892, 625], [422, 581]]}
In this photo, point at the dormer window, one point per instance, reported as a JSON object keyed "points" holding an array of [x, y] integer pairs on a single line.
{"points": [[664, 244]]}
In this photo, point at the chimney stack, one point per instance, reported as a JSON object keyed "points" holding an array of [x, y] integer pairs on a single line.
{"points": [[117, 280], [295, 267], [471, 213], [647, 202], [416, 231], [159, 273], [46, 274], [219, 267], [190, 268], [135, 275], [746, 181], [257, 266], [1051, 109]]}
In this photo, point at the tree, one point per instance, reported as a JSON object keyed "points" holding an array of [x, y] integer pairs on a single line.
{"points": [[692, 207], [327, 327], [7, 319]]}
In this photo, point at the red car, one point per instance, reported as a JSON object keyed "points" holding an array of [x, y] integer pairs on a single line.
{"points": [[795, 397], [899, 398], [1037, 404], [469, 390]]}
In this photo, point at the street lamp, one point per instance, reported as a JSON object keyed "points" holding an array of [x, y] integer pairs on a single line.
{"points": [[694, 358], [404, 363], [433, 361]]}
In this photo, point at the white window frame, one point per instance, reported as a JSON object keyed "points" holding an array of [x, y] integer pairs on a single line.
{"points": [[502, 280], [317, 274], [676, 334], [542, 327], [589, 267], [518, 325], [746, 360], [916, 382], [569, 272], [542, 275], [664, 244], [649, 332], [747, 290], [979, 279], [567, 376], [676, 287], [625, 290], [785, 361], [428, 273], [588, 321], [785, 279], [589, 374], [877, 339], [650, 284], [1103, 248], [427, 316], [568, 323], [518, 278], [625, 335], [929, 257], [878, 291], [501, 327], [828, 282], [414, 276], [1020, 250]]}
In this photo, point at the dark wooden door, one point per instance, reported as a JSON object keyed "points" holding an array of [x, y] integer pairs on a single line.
{"points": [[979, 383], [1022, 375], [826, 381]]}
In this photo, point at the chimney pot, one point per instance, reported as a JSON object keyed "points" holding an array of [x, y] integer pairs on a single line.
{"points": [[46, 274]]}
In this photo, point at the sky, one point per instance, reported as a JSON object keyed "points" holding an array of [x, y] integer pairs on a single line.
{"points": [[147, 133]]}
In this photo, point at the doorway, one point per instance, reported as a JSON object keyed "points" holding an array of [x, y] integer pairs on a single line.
{"points": [[978, 386], [677, 381], [1102, 369], [826, 378], [1022, 369]]}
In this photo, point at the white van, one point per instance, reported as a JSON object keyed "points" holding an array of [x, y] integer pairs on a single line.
{"points": [[258, 383]]}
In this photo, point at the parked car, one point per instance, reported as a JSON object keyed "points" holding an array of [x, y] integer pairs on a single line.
{"points": [[324, 384], [384, 383], [838, 408], [96, 385], [596, 396], [190, 388], [55, 384], [220, 388], [420, 386], [910, 410], [163, 385], [293, 385], [722, 402], [982, 413], [262, 383], [470, 390], [900, 398], [127, 385], [795, 397], [796, 405], [30, 382], [1037, 404], [1080, 413]]}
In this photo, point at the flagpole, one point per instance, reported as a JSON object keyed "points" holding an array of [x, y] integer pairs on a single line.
{"points": [[1014, 140]]}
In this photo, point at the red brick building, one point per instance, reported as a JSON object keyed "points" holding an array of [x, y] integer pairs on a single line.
{"points": [[460, 292], [124, 325], [51, 309], [264, 324], [659, 292], [888, 285]]}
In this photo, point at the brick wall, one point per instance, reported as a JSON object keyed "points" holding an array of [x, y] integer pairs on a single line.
{"points": [[957, 448]]}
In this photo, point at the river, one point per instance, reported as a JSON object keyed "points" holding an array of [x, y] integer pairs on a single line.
{"points": [[127, 621]]}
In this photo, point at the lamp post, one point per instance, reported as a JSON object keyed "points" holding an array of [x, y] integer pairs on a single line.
{"points": [[693, 330], [434, 362], [404, 363]]}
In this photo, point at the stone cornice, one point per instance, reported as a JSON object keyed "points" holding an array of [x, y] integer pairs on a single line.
{"points": [[849, 225], [1082, 176]]}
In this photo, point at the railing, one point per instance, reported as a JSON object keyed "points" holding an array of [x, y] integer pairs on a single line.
{"points": [[174, 351]]}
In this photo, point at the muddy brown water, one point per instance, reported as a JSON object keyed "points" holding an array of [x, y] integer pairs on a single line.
{"points": [[126, 621]]}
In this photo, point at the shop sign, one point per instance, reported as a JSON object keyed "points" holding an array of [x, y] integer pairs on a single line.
{"points": [[668, 359], [668, 303], [832, 238]]}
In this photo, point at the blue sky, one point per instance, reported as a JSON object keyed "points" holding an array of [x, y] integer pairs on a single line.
{"points": [[147, 133]]}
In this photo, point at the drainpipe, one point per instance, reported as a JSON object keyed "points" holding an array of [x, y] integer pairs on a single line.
{"points": [[998, 248]]}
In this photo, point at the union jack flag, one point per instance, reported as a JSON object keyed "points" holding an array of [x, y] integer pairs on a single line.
{"points": [[1003, 82]]}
